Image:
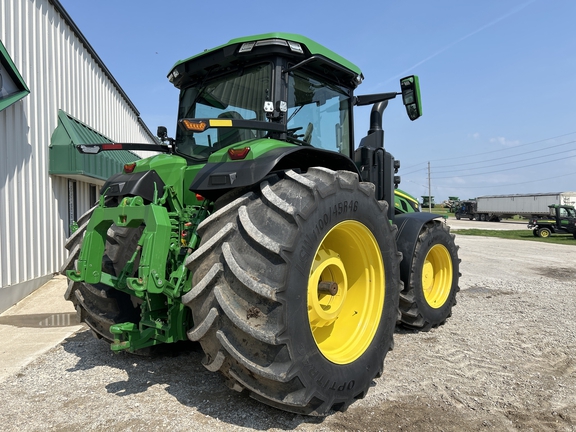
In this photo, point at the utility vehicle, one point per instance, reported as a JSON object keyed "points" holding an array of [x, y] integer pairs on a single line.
{"points": [[561, 220]]}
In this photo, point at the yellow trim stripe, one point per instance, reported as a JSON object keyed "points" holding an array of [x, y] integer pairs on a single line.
{"points": [[221, 123], [400, 194]]}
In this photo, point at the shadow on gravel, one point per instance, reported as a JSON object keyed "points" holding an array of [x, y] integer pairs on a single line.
{"points": [[179, 370]]}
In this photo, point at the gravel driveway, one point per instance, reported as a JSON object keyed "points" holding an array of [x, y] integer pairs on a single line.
{"points": [[505, 360]]}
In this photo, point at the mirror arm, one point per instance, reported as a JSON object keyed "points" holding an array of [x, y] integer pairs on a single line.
{"points": [[299, 65], [323, 59], [374, 98]]}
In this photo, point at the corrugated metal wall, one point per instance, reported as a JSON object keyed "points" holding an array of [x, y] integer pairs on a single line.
{"points": [[61, 74]]}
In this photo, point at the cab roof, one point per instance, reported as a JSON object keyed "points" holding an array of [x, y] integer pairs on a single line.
{"points": [[310, 48]]}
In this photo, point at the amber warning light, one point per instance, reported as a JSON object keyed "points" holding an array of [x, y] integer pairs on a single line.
{"points": [[194, 126], [129, 168]]}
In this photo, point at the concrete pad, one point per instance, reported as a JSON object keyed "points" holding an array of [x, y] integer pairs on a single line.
{"points": [[34, 325]]}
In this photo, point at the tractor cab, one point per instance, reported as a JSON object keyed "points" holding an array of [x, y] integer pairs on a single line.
{"points": [[286, 101], [280, 86]]}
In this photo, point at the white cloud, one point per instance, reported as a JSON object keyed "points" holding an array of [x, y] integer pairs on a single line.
{"points": [[505, 142]]}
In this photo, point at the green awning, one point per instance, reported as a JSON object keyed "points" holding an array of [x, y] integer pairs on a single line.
{"points": [[12, 86], [66, 161]]}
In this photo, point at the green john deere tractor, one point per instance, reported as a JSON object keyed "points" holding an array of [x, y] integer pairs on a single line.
{"points": [[262, 233]]}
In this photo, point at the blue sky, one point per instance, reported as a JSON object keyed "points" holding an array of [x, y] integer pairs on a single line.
{"points": [[498, 77]]}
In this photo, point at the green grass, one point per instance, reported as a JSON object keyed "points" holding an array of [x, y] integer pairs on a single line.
{"points": [[518, 235], [437, 210]]}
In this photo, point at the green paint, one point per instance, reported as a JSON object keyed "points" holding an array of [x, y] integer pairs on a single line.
{"points": [[258, 148]]}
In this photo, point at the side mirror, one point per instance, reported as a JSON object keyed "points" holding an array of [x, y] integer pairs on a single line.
{"points": [[411, 96]]}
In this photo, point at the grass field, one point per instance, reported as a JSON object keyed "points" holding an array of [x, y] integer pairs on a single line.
{"points": [[567, 239]]}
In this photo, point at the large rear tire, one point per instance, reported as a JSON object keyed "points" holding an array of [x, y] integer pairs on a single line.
{"points": [[261, 300], [428, 297]]}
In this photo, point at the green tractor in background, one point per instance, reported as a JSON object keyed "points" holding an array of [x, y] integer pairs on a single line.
{"points": [[262, 233]]}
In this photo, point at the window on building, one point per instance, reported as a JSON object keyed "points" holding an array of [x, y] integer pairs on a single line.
{"points": [[12, 86]]}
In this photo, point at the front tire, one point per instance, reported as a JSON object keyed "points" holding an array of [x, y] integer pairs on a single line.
{"points": [[430, 293], [260, 311]]}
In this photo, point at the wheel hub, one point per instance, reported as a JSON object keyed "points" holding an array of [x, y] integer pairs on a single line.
{"points": [[328, 287], [324, 308]]}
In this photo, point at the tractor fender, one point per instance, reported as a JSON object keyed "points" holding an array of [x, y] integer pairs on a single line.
{"points": [[409, 227], [144, 184], [215, 179]]}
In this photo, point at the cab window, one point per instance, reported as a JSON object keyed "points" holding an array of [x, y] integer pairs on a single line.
{"points": [[239, 95], [318, 112]]}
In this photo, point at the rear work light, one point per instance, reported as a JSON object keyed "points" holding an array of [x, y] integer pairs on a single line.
{"points": [[238, 154], [129, 168]]}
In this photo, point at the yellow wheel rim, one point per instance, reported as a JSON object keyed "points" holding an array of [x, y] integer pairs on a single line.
{"points": [[437, 276], [544, 233], [343, 324]]}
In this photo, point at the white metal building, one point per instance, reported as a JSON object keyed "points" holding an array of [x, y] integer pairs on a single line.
{"points": [[54, 92]]}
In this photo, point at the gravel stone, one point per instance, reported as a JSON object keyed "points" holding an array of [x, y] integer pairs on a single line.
{"points": [[504, 361]]}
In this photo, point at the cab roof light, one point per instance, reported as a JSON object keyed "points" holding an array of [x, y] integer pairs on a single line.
{"points": [[238, 153], [195, 126], [294, 46], [247, 47], [129, 168], [173, 75]]}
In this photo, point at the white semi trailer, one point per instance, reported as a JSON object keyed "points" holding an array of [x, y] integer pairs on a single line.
{"points": [[496, 207]]}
